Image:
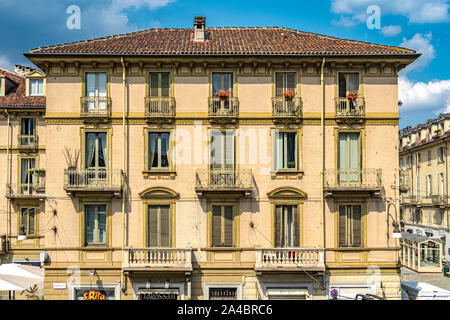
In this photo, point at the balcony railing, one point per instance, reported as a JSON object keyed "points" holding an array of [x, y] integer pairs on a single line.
{"points": [[159, 107], [224, 180], [95, 107], [350, 109], [167, 258], [35, 189], [301, 258], [353, 179], [223, 108], [282, 108], [93, 180], [438, 199], [27, 141]]}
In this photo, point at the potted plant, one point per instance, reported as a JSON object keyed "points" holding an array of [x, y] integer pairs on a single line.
{"points": [[289, 95], [72, 162], [296, 112], [351, 97], [223, 94]]}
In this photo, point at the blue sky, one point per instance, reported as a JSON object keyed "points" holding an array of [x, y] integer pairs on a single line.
{"points": [[424, 87]]}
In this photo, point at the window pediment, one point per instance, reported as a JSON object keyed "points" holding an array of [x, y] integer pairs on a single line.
{"points": [[158, 192], [287, 192]]}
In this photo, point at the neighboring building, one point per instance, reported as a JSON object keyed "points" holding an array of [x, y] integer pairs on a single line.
{"points": [[424, 187], [179, 193], [22, 151]]}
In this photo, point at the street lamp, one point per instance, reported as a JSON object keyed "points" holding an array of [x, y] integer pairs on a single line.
{"points": [[397, 234]]}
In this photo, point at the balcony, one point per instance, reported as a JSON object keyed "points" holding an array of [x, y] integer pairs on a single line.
{"points": [[223, 110], [438, 200], [353, 180], [289, 259], [404, 184], [27, 142], [33, 190], [283, 109], [224, 180], [95, 109], [158, 259], [160, 109], [93, 180], [350, 110]]}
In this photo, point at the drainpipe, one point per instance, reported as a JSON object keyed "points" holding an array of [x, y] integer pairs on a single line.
{"points": [[124, 175], [322, 128], [8, 211]]}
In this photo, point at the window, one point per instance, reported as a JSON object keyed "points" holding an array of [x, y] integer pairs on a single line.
{"points": [[285, 150], [350, 226], [429, 157], [159, 84], [429, 186], [222, 81], [441, 185], [36, 87], [222, 293], [28, 220], [96, 150], [158, 150], [417, 159], [408, 161], [95, 224], [286, 226], [285, 81], [159, 228], [96, 89], [441, 153], [27, 131], [222, 149], [438, 217], [418, 215], [401, 163], [222, 226], [349, 158], [348, 82], [26, 177]]}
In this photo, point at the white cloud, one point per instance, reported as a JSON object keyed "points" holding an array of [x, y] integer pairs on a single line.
{"points": [[5, 63], [391, 31], [434, 95], [422, 44], [417, 11]]}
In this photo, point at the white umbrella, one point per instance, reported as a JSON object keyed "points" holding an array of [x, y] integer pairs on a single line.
{"points": [[19, 277]]}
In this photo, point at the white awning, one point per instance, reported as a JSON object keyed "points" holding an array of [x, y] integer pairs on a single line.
{"points": [[19, 277], [292, 293]]}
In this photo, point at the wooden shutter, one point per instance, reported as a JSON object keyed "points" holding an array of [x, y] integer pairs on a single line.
{"points": [[228, 226], [31, 221], [216, 226], [165, 84], [290, 81], [24, 219], [154, 92], [296, 224], [278, 84], [152, 226], [165, 226], [277, 226], [342, 226], [229, 150], [356, 226]]}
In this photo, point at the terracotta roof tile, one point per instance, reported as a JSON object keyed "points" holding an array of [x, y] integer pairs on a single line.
{"points": [[16, 97], [223, 41]]}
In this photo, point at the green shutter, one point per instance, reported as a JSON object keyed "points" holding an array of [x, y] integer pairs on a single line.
{"points": [[154, 87], [279, 89], [165, 84], [356, 226], [277, 226], [31, 221], [228, 226], [152, 237], [342, 226], [165, 226], [216, 226]]}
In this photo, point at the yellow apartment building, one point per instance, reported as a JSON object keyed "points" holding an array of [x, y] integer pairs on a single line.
{"points": [[424, 194], [218, 163]]}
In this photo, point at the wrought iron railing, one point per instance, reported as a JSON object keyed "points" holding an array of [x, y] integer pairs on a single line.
{"points": [[95, 179], [223, 108], [346, 108], [160, 107], [282, 108], [353, 178], [95, 107], [25, 141], [32, 189], [224, 179]]}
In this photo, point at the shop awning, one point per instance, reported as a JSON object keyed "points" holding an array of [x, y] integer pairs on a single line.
{"points": [[19, 277], [288, 293]]}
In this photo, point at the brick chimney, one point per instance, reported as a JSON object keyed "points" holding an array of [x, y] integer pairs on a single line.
{"points": [[199, 29], [22, 70]]}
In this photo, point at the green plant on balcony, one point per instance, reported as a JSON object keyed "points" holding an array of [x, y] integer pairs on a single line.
{"points": [[37, 172], [296, 112], [291, 164]]}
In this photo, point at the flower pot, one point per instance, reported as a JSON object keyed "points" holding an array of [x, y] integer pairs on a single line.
{"points": [[287, 98], [223, 98]]}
